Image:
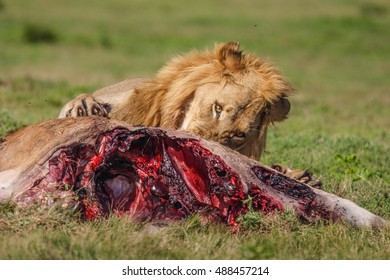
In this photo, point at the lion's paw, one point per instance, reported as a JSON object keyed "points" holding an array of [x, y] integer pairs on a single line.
{"points": [[84, 105], [303, 176]]}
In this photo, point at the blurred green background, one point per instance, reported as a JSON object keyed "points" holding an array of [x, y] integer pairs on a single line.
{"points": [[336, 53]]}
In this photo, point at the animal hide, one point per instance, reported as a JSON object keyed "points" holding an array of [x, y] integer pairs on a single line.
{"points": [[103, 166]]}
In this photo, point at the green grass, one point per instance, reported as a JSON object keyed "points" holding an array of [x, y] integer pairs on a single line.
{"points": [[53, 234], [335, 53]]}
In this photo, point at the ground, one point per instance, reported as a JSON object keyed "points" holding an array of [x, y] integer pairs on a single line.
{"points": [[335, 53]]}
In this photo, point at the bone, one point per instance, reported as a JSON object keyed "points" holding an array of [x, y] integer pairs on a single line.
{"points": [[104, 167]]}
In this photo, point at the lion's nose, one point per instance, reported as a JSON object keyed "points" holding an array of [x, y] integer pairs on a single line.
{"points": [[232, 139], [227, 142]]}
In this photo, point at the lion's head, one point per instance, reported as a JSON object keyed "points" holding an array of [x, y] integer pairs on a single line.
{"points": [[221, 95]]}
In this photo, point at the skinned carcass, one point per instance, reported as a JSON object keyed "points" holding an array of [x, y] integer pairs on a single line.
{"points": [[103, 166]]}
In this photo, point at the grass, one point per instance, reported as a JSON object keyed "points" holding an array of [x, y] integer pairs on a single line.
{"points": [[335, 53], [53, 234]]}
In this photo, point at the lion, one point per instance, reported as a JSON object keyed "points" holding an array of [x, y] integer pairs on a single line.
{"points": [[221, 95]]}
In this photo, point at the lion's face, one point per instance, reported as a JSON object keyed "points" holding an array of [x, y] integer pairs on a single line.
{"points": [[223, 95], [233, 115], [223, 113]]}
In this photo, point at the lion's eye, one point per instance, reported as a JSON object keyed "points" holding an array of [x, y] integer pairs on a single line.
{"points": [[217, 109], [240, 134]]}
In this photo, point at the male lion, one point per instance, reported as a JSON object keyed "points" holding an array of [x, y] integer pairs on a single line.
{"points": [[222, 95]]}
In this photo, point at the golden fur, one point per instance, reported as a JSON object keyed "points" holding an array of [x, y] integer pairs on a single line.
{"points": [[250, 91], [223, 95]]}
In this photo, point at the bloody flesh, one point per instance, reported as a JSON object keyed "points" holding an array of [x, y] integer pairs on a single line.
{"points": [[104, 167], [152, 176]]}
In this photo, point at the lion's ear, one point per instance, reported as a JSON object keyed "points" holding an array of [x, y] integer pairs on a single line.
{"points": [[278, 110], [230, 55]]}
